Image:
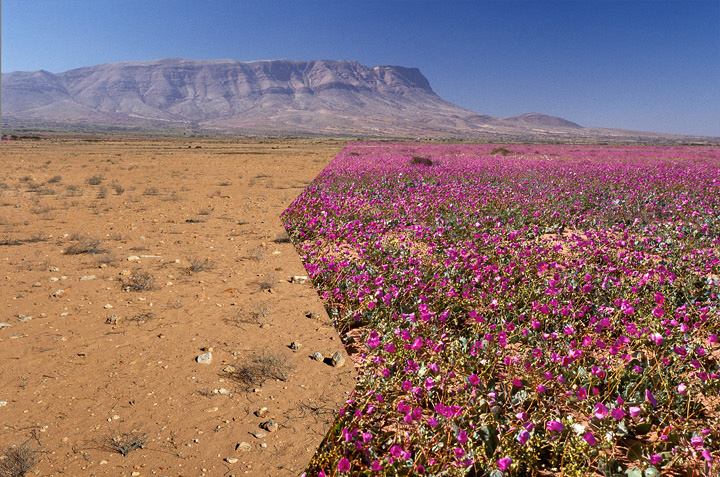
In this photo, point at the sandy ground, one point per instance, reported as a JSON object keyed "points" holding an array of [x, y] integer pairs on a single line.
{"points": [[121, 262]]}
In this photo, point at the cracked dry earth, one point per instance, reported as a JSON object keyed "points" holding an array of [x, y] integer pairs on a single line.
{"points": [[124, 260]]}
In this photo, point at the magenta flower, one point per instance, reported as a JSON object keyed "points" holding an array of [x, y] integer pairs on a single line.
{"points": [[600, 411], [634, 411], [523, 437], [462, 437], [617, 413], [650, 398], [504, 463], [656, 459], [555, 426], [344, 465], [590, 438]]}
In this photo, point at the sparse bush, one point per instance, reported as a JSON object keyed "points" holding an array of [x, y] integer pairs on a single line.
{"points": [[124, 443], [90, 246], [139, 281], [117, 187], [198, 265], [18, 461], [263, 367], [54, 179], [500, 151], [151, 191], [424, 161], [95, 180]]}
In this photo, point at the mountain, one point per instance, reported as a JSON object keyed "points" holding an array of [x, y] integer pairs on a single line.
{"points": [[323, 97]]}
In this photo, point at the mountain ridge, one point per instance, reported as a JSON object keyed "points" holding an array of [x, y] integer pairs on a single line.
{"points": [[325, 97]]}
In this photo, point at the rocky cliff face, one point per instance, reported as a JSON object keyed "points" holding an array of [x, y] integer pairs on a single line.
{"points": [[277, 97]]}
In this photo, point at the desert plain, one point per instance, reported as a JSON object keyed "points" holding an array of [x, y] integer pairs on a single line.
{"points": [[124, 260]]}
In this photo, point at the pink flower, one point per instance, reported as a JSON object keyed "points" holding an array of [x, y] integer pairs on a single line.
{"points": [[523, 437], [706, 454], [651, 399], [344, 465], [462, 437], [656, 459], [634, 411], [556, 426], [617, 413], [504, 463], [374, 339], [682, 388], [590, 438], [600, 411]]}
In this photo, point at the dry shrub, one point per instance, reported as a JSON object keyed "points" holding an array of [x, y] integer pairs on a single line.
{"points": [[263, 367]]}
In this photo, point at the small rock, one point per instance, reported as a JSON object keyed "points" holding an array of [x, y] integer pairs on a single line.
{"points": [[3, 403], [5, 325], [298, 279], [54, 279], [295, 345], [222, 391], [338, 359], [37, 285], [87, 277], [108, 306], [24, 318], [228, 369], [103, 462], [53, 269], [133, 258], [231, 460], [205, 358], [59, 294], [212, 409], [262, 412], [269, 425], [135, 474], [243, 446], [317, 356], [258, 434]]}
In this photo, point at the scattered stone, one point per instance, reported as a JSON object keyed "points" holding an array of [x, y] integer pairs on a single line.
{"points": [[54, 279], [258, 434], [24, 318], [317, 356], [312, 315], [108, 306], [231, 460], [262, 412], [269, 425], [298, 279], [37, 285], [212, 409], [133, 258], [3, 403], [53, 269], [295, 345], [228, 369], [265, 326], [59, 294], [243, 446], [112, 320], [205, 358], [88, 277], [222, 391], [338, 359]]}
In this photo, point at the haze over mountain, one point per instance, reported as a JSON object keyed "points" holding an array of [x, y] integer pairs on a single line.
{"points": [[322, 97]]}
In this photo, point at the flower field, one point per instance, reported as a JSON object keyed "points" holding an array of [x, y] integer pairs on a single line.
{"points": [[520, 310]]}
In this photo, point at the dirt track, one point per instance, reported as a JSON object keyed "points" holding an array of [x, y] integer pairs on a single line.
{"points": [[122, 261]]}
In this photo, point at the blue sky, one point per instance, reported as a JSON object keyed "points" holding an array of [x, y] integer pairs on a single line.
{"points": [[641, 64]]}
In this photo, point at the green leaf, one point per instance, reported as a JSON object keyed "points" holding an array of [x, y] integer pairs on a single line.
{"points": [[488, 434]]}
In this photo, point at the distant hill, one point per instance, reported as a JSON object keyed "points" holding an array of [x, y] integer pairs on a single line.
{"points": [[324, 97]]}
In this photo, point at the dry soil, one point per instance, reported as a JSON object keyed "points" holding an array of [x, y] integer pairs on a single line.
{"points": [[122, 261]]}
